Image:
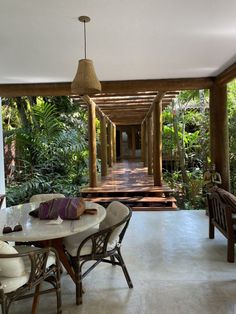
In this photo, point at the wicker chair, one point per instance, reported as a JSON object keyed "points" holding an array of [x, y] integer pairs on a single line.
{"points": [[222, 216], [101, 246], [23, 272]]}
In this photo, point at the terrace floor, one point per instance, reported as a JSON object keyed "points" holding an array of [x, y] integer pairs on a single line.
{"points": [[129, 182], [175, 269]]}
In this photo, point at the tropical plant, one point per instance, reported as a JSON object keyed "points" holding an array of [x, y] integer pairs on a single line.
{"points": [[50, 150]]}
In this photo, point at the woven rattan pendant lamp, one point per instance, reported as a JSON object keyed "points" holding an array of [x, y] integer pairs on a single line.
{"points": [[85, 81]]}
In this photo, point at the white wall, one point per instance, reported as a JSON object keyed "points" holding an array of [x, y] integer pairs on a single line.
{"points": [[2, 174]]}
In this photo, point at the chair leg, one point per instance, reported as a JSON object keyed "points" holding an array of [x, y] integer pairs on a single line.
{"points": [[78, 280], [36, 299], [79, 290], [112, 260], [125, 271], [4, 306], [58, 294], [211, 230], [230, 251]]}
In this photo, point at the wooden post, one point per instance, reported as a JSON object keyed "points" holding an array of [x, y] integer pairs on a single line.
{"points": [[143, 125], [145, 143], [133, 141], [121, 144], [149, 145], [219, 138], [92, 144], [110, 146], [157, 143], [114, 142], [103, 137]]}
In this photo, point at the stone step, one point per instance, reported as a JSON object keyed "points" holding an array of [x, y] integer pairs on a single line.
{"points": [[154, 209], [119, 190], [127, 193], [139, 202]]}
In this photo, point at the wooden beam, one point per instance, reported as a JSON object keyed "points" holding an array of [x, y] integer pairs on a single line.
{"points": [[131, 122], [157, 99], [120, 98], [127, 100], [119, 112], [158, 85], [131, 86], [227, 75], [123, 94], [36, 89], [99, 112], [122, 102], [127, 107]]}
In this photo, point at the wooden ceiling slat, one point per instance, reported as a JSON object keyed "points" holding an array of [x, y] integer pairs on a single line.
{"points": [[124, 95], [150, 100], [127, 107], [128, 98], [126, 111]]}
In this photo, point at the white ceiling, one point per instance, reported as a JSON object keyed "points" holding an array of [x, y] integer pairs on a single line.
{"points": [[41, 41]]}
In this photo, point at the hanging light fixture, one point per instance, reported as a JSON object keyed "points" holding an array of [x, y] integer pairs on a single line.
{"points": [[85, 81]]}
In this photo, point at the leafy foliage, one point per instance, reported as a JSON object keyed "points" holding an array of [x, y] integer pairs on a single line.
{"points": [[186, 140], [50, 150], [232, 131]]}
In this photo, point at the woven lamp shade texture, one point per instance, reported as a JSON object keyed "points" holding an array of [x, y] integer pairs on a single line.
{"points": [[85, 81]]}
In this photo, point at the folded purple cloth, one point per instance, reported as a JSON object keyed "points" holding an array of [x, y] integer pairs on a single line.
{"points": [[67, 208]]}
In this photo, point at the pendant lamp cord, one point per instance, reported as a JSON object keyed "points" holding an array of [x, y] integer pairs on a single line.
{"points": [[85, 40]]}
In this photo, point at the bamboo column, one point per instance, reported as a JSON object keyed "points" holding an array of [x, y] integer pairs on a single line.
{"points": [[121, 144], [110, 146], [150, 147], [92, 144], [157, 143], [133, 142], [114, 141], [143, 125], [219, 138], [103, 138]]}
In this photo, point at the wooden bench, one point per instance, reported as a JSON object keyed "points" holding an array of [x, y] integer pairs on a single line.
{"points": [[222, 216]]}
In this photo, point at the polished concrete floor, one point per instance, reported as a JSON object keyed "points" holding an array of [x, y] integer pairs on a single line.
{"points": [[175, 269]]}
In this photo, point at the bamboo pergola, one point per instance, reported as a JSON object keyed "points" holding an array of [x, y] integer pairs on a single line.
{"points": [[141, 102]]}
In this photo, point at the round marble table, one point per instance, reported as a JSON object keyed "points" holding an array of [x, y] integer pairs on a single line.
{"points": [[44, 234], [35, 229]]}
